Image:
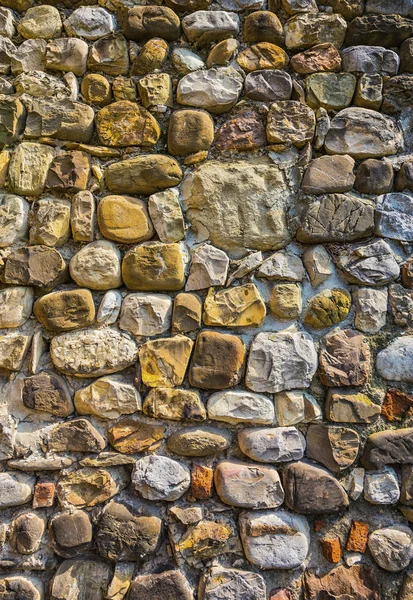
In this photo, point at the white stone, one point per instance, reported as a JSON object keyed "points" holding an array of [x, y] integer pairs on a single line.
{"points": [[232, 584], [354, 483], [108, 398], [317, 261], [394, 216], [216, 89], [289, 408], [277, 444], [7, 437], [166, 214], [282, 265], [239, 406], [392, 547], [209, 267], [371, 309], [109, 308], [284, 546], [281, 361], [89, 22], [15, 489], [29, 56], [93, 352], [160, 478], [395, 363], [204, 26], [185, 61], [7, 28], [370, 59], [381, 487], [97, 266], [240, 5], [146, 314], [16, 305]]}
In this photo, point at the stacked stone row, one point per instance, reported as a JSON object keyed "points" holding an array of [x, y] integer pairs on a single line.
{"points": [[206, 219]]}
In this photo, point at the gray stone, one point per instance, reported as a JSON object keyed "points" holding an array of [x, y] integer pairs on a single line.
{"points": [[269, 85], [90, 23], [278, 444], [232, 584], [61, 119], [26, 533], [7, 28], [15, 489], [317, 261], [217, 89], [395, 363], [239, 406], [168, 585], [401, 305], [282, 266], [185, 61], [67, 55], [370, 59], [392, 547], [203, 26], [388, 447], [7, 50], [109, 308], [80, 580], [146, 314], [14, 219], [394, 216], [160, 478], [381, 487], [166, 214], [29, 56], [404, 8], [380, 30], [304, 31], [371, 309], [367, 263], [109, 55], [209, 267]]}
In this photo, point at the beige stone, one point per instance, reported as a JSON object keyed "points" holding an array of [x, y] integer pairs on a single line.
{"points": [[96, 89], [67, 55], [350, 406], [108, 398], [151, 57], [16, 305], [124, 219], [64, 311], [130, 436], [154, 267], [286, 301], [186, 314], [97, 266], [28, 168], [155, 91], [234, 307], [14, 219], [50, 222], [126, 123], [290, 121], [13, 350], [82, 217], [88, 487], [164, 361], [62, 119], [174, 404], [166, 214], [109, 55], [146, 314], [41, 22]]}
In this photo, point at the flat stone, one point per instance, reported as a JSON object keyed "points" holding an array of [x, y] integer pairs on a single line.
{"points": [[47, 392], [217, 361], [61, 119], [13, 350], [371, 309], [125, 123], [248, 485], [166, 215], [76, 578], [26, 533], [131, 435], [387, 448], [268, 85], [71, 533], [232, 224], [16, 489], [344, 359], [243, 132], [14, 219], [286, 301], [50, 222], [327, 308], [169, 584], [234, 583], [203, 27], [334, 447], [12, 119], [370, 59], [362, 133], [174, 404], [109, 55], [290, 122], [146, 314], [278, 444], [151, 57], [380, 30], [359, 582], [189, 131], [66, 55], [328, 175], [310, 489], [87, 487], [28, 168], [107, 398], [263, 56], [124, 219], [350, 406], [154, 267], [282, 266], [77, 435], [265, 534], [368, 263], [41, 463], [381, 487], [281, 361], [304, 31], [90, 23], [240, 306], [380, 7], [394, 216], [186, 314], [82, 217], [40, 22], [38, 266], [238, 406], [16, 305], [392, 547], [216, 90], [160, 478], [145, 22], [199, 441], [93, 352], [164, 361], [319, 58], [144, 174]]}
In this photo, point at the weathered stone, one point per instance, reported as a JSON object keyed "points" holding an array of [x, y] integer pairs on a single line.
{"points": [[304, 31], [131, 436], [82, 217], [168, 585], [40, 22], [190, 131], [406, 56], [125, 123], [234, 307], [164, 361], [392, 547], [16, 305], [146, 314], [166, 214], [186, 314], [393, 216], [310, 489], [69, 172], [185, 61], [151, 57], [387, 448], [371, 60], [109, 55], [397, 94], [380, 7], [401, 304], [290, 122], [71, 533], [329, 174], [107, 398], [265, 535], [146, 22], [75, 579], [380, 30], [50, 220], [97, 266], [319, 58], [67, 55], [264, 26], [13, 351], [88, 487], [109, 308], [368, 263], [26, 533], [217, 362], [124, 219], [7, 52], [47, 392], [344, 359], [238, 406], [61, 119], [174, 405], [248, 485], [233, 583], [333, 446], [160, 478], [92, 352], [404, 178], [281, 361], [264, 56], [217, 89], [44, 495], [121, 580], [39, 85], [199, 441], [381, 487], [7, 28], [374, 177], [16, 489], [350, 406], [318, 264], [90, 23], [359, 582], [156, 91], [12, 119], [204, 26], [209, 267], [20, 587], [28, 168], [155, 267], [222, 53], [268, 85], [232, 224], [77, 435], [144, 174], [39, 266], [278, 444], [245, 131], [327, 308], [332, 91], [286, 301]]}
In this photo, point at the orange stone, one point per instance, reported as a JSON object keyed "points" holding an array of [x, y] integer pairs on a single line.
{"points": [[201, 482], [396, 405], [281, 595], [331, 549], [358, 536], [44, 495]]}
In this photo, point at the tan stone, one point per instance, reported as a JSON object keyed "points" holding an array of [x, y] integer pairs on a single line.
{"points": [[125, 123], [97, 266], [327, 308], [199, 441], [28, 168], [40, 22], [15, 306], [290, 121], [124, 219], [61, 119], [319, 58], [130, 436], [107, 398], [166, 214], [124, 88], [82, 217], [12, 119], [96, 89], [350, 406], [218, 361], [13, 350], [63, 311], [109, 55], [222, 53], [263, 56], [234, 307], [88, 487], [39, 266], [164, 361], [174, 404], [151, 57], [333, 446], [77, 435], [69, 172], [190, 131], [67, 55], [50, 222], [186, 314], [145, 174], [155, 91], [154, 267], [286, 301]]}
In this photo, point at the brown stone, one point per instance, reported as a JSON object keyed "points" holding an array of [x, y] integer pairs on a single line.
{"points": [[217, 362], [130, 436], [374, 176], [38, 266], [174, 405], [332, 446], [319, 58], [71, 533], [187, 311], [358, 582], [281, 594], [331, 549], [198, 441], [190, 131], [77, 435], [50, 221], [126, 123], [88, 486], [388, 447], [263, 26], [69, 172], [357, 537], [146, 22], [404, 178], [222, 53], [350, 406], [151, 57], [243, 132], [397, 405], [109, 55], [329, 174], [202, 482], [64, 311], [124, 219], [44, 494], [96, 89], [47, 392], [164, 361], [407, 273], [344, 359], [262, 56], [154, 267], [144, 174], [168, 585]]}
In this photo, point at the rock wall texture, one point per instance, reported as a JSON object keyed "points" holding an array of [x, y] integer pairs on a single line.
{"points": [[206, 300]]}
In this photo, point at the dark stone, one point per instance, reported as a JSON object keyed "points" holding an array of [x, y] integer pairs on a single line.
{"points": [[242, 132], [406, 56], [169, 585], [69, 172], [78, 435], [397, 94], [146, 22], [268, 85], [47, 392], [374, 177], [388, 448], [71, 533], [404, 178], [263, 26], [344, 359], [39, 266], [217, 362], [379, 30]]}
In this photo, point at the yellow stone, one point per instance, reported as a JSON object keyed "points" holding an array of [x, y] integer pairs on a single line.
{"points": [[234, 307], [222, 52], [130, 436], [327, 308], [174, 404], [156, 90], [96, 89], [4, 166], [88, 487], [124, 219], [286, 301], [164, 361], [154, 266], [67, 310], [126, 123], [151, 57], [263, 56]]}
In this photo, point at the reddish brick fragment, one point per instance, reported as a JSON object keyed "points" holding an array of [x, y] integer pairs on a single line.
{"points": [[201, 482], [396, 405], [357, 538], [331, 549], [44, 495]]}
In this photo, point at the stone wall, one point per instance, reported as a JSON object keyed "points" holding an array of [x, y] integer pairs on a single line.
{"points": [[206, 299]]}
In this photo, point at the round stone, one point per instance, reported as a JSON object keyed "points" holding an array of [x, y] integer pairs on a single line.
{"points": [[126, 123], [26, 533], [392, 547], [154, 267], [262, 56], [71, 533], [40, 22], [90, 23], [96, 89], [63, 311], [124, 219], [199, 441], [263, 26], [190, 131], [97, 266]]}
